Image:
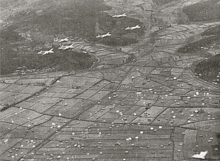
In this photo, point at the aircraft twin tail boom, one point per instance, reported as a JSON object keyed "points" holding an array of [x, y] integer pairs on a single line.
{"points": [[132, 28], [118, 16], [46, 52], [102, 36]]}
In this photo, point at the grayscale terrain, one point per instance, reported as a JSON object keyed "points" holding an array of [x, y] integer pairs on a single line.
{"points": [[110, 80]]}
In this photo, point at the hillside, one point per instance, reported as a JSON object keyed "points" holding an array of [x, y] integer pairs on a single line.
{"points": [[38, 23], [203, 11]]}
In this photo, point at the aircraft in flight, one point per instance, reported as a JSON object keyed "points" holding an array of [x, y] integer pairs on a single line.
{"points": [[64, 40], [66, 47], [46, 52], [132, 28], [118, 16], [102, 36]]}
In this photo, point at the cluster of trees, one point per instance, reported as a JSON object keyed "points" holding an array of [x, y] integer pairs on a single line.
{"points": [[209, 69]]}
